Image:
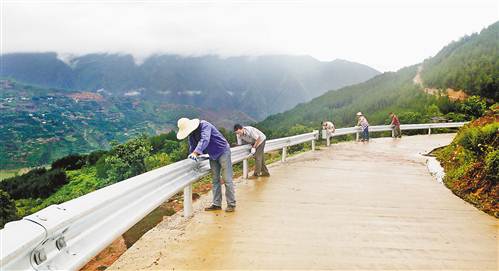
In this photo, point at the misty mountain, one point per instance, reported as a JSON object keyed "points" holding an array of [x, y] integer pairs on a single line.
{"points": [[258, 86]]}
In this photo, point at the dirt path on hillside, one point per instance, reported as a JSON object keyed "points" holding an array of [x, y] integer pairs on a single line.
{"points": [[454, 95]]}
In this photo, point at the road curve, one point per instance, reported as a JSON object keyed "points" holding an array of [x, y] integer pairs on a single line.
{"points": [[350, 206]]}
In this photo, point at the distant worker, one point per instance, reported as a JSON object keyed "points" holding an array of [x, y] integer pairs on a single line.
{"points": [[329, 127], [205, 138], [257, 139], [362, 122], [395, 125]]}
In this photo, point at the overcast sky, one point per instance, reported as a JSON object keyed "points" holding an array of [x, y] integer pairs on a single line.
{"points": [[384, 34]]}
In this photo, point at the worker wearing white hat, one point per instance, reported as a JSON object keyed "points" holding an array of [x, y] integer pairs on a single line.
{"points": [[204, 137]]}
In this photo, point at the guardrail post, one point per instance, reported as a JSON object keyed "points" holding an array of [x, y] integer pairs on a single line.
{"points": [[316, 136], [357, 136], [284, 151], [188, 201], [245, 161], [328, 141], [429, 131], [393, 132], [245, 168]]}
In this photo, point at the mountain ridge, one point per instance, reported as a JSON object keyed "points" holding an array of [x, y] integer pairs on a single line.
{"points": [[244, 83]]}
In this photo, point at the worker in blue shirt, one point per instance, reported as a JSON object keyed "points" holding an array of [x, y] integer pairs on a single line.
{"points": [[204, 138]]}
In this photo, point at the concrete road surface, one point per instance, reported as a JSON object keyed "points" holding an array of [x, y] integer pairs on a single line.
{"points": [[350, 206]]}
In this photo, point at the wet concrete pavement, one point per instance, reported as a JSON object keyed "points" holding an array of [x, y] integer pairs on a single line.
{"points": [[350, 206]]}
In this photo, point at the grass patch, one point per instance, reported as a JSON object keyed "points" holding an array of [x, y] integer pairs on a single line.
{"points": [[7, 173]]}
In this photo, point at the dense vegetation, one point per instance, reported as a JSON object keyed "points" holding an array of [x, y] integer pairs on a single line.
{"points": [[470, 64], [8, 210], [76, 175], [471, 163], [37, 183]]}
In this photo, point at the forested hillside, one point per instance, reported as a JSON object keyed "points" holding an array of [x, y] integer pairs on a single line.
{"points": [[375, 98], [470, 64]]}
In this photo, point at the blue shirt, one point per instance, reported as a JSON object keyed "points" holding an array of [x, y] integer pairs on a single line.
{"points": [[207, 139]]}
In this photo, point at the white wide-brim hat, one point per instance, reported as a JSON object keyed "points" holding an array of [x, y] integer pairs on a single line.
{"points": [[359, 113], [186, 127]]}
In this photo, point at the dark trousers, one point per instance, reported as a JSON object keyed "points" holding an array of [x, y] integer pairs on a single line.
{"points": [[365, 134], [396, 131], [260, 167]]}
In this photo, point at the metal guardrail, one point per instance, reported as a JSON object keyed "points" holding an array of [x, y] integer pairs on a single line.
{"points": [[382, 128], [68, 235]]}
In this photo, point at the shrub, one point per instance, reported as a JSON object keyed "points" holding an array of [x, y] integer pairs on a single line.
{"points": [[170, 146], [478, 139], [94, 156], [433, 111], [411, 117], [492, 164], [116, 169], [456, 116], [70, 162], [100, 166], [156, 161], [34, 184], [181, 152], [7, 208], [125, 160], [474, 106]]}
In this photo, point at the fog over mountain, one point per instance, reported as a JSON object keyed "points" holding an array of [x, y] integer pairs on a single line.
{"points": [[258, 86]]}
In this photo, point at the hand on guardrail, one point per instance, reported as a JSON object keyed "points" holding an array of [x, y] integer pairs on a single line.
{"points": [[193, 157], [253, 150]]}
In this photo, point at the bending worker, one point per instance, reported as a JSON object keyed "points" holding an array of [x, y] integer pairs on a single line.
{"points": [[255, 137], [329, 127], [205, 138], [395, 123]]}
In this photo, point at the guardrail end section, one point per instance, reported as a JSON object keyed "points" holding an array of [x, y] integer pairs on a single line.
{"points": [[19, 240]]}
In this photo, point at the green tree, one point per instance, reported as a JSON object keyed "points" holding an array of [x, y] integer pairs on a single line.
{"points": [[125, 160], [181, 152], [7, 208], [474, 106], [433, 111], [156, 161]]}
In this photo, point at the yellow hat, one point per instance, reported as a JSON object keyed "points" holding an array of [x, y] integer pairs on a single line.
{"points": [[186, 127]]}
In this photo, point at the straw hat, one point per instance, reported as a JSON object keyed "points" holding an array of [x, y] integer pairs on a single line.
{"points": [[186, 126], [359, 113]]}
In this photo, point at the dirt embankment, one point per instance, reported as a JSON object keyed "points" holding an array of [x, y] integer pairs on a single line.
{"points": [[454, 95], [109, 255], [470, 163]]}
